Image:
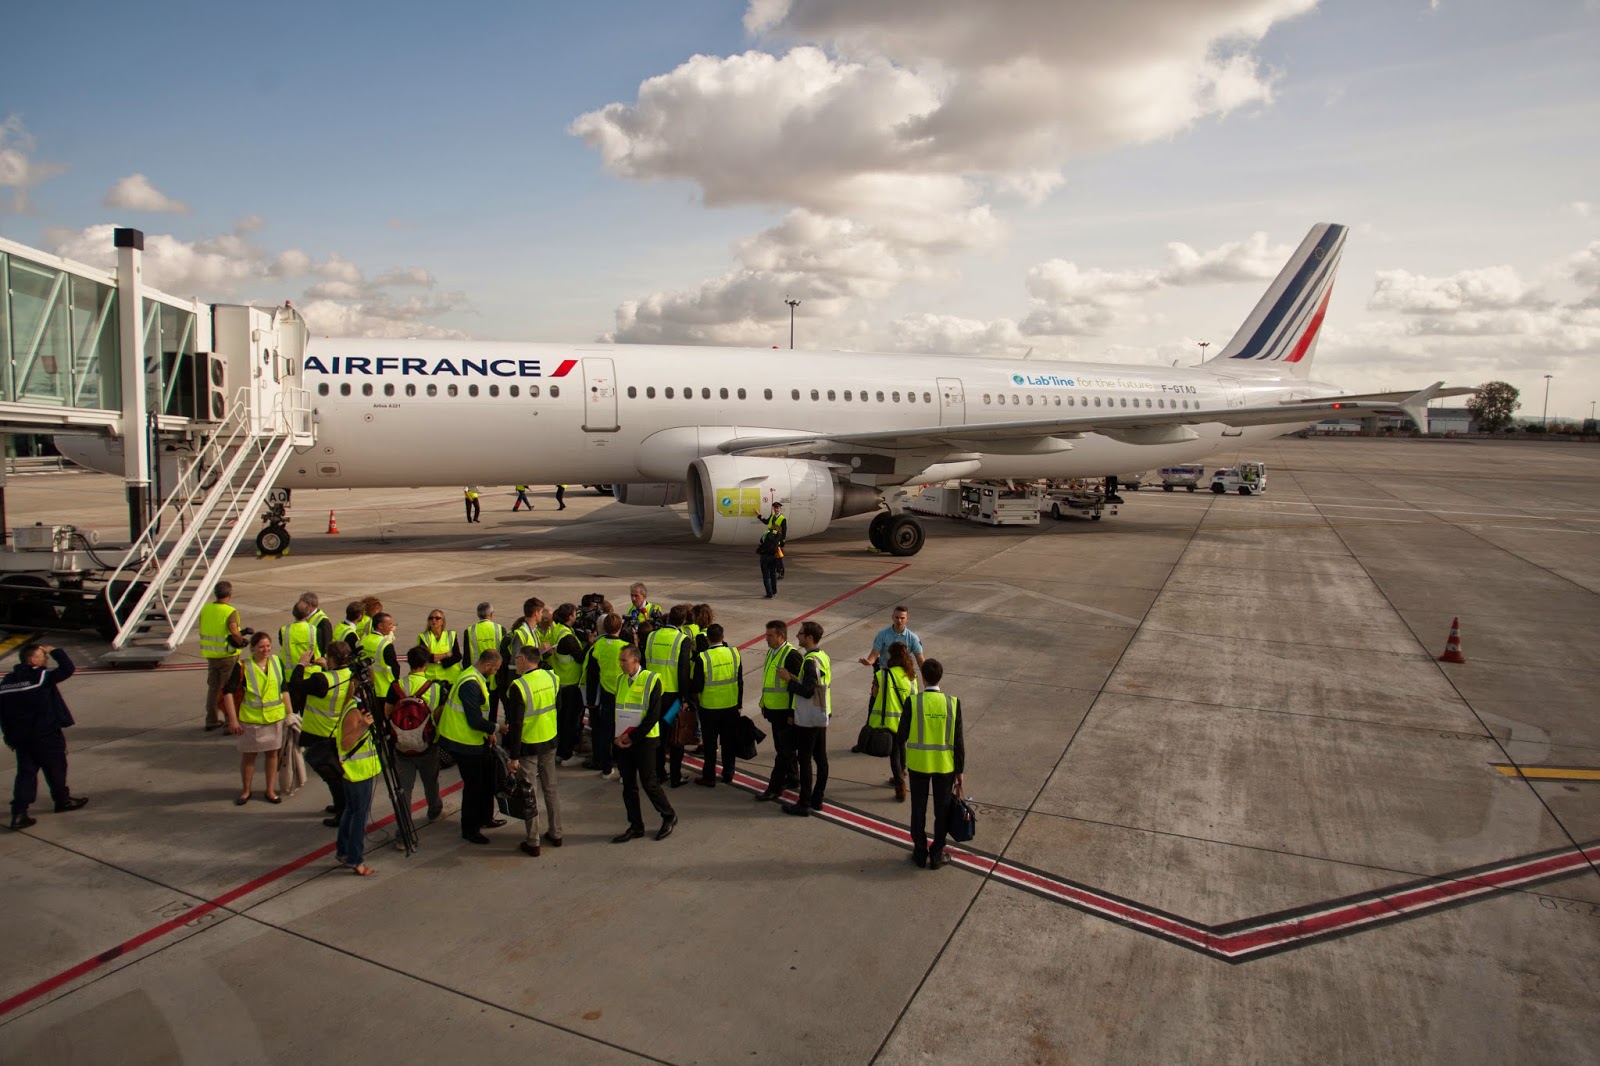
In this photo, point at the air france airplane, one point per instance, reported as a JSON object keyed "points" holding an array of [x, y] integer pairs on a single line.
{"points": [[829, 434]]}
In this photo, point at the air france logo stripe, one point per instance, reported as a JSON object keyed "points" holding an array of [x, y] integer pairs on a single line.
{"points": [[353, 365]]}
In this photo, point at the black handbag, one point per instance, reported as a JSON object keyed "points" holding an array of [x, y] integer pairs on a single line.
{"points": [[749, 736], [875, 741], [963, 819]]}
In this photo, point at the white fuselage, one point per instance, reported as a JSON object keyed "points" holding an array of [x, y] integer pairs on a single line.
{"points": [[416, 413]]}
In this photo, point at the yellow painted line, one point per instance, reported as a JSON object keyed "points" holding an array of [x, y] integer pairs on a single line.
{"points": [[12, 643], [1547, 773]]}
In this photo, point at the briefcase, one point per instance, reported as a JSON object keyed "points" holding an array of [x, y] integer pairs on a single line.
{"points": [[963, 819], [749, 736]]}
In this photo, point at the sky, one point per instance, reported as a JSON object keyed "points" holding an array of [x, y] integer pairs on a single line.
{"points": [[1061, 179]]}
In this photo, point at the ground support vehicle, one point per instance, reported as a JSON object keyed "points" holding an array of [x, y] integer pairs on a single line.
{"points": [[1076, 497], [1247, 479], [51, 577], [1181, 477], [990, 503]]}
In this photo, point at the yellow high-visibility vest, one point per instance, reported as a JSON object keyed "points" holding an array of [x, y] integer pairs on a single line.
{"points": [[443, 644], [633, 698], [722, 666], [360, 762], [214, 643], [372, 646], [931, 748], [568, 670], [895, 689], [263, 693], [775, 694], [538, 688], [481, 637], [607, 651], [453, 719], [661, 656], [323, 712]]}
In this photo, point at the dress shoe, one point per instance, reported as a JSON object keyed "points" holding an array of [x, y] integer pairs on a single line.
{"points": [[667, 827], [331, 823], [799, 810], [706, 782], [434, 816], [73, 804], [919, 859], [768, 797], [22, 821], [936, 860], [626, 835], [816, 805], [554, 842], [494, 823], [529, 849], [330, 809], [727, 779], [476, 838]]}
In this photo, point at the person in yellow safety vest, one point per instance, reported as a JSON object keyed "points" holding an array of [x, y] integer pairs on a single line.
{"points": [[777, 707], [669, 654], [565, 659], [257, 708], [444, 655], [530, 729], [359, 764], [561, 497], [892, 689], [716, 680], [220, 641], [930, 729], [602, 670], [522, 499], [637, 732], [487, 635], [776, 522], [349, 630], [378, 648], [813, 692], [323, 692], [321, 625], [426, 762], [526, 633], [371, 607], [466, 731], [470, 495], [298, 638]]}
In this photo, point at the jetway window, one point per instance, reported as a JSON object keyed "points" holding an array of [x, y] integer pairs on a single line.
{"points": [[344, 388], [433, 390], [411, 390], [388, 390], [633, 393], [452, 390], [322, 388]]}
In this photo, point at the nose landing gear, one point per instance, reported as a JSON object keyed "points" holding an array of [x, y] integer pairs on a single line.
{"points": [[273, 541]]}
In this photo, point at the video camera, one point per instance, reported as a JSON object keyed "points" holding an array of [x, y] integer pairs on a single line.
{"points": [[591, 612]]}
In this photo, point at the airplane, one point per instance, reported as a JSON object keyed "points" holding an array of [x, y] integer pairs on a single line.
{"points": [[829, 434]]}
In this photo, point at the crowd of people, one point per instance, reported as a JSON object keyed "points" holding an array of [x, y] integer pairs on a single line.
{"points": [[648, 682]]}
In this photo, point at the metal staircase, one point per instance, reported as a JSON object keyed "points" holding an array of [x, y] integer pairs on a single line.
{"points": [[156, 595]]}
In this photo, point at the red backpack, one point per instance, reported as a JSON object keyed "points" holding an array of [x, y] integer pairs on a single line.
{"points": [[412, 721]]}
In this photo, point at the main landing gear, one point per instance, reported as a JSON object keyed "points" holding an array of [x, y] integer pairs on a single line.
{"points": [[273, 541], [896, 534]]}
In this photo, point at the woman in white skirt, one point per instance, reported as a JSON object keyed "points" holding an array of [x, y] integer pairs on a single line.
{"points": [[257, 703]]}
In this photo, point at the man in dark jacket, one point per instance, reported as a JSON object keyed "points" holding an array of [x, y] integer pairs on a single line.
{"points": [[32, 717]]}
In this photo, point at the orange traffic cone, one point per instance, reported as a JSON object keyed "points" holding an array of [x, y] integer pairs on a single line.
{"points": [[333, 524], [1452, 647]]}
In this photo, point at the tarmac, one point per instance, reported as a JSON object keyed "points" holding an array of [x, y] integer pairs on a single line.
{"points": [[1231, 807]]}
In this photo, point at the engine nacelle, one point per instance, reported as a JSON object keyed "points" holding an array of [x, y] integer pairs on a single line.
{"points": [[649, 493], [728, 492]]}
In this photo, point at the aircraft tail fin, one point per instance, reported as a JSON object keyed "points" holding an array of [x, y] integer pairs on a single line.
{"points": [[1284, 325]]}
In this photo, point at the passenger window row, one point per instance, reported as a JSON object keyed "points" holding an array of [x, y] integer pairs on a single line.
{"points": [[850, 395], [1072, 401], [432, 389]]}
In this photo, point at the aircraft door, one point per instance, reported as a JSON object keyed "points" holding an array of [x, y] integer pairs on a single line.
{"points": [[952, 402], [599, 396], [1233, 396]]}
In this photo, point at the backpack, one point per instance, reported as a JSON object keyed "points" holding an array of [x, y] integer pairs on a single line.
{"points": [[413, 723]]}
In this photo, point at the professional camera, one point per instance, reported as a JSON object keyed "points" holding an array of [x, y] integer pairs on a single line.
{"points": [[586, 623]]}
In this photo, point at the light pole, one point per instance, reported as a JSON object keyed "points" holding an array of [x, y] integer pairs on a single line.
{"points": [[1543, 419], [1203, 346], [793, 303]]}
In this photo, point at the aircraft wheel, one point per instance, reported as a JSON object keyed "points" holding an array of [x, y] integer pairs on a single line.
{"points": [[274, 540], [905, 536], [878, 531], [1218, 489]]}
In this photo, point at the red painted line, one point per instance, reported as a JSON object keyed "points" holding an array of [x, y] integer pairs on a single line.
{"points": [[132, 944], [830, 603]]}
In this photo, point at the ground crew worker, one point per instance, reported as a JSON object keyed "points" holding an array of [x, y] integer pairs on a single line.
{"points": [[892, 689], [777, 707], [474, 508], [358, 765], [776, 522], [638, 731], [896, 632], [531, 739], [371, 607], [466, 731], [321, 624], [522, 499], [220, 641], [323, 693], [565, 660], [643, 615], [33, 717], [930, 729], [444, 655], [812, 708], [378, 647], [602, 670], [668, 654], [561, 497], [426, 762], [349, 630], [777, 533], [716, 680], [257, 708], [486, 635], [297, 638]]}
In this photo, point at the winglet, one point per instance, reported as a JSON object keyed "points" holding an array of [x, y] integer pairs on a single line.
{"points": [[1416, 405]]}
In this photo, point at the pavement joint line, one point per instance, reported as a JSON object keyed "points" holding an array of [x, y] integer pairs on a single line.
{"points": [[1593, 862]]}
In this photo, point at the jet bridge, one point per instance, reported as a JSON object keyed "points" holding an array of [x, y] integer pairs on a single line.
{"points": [[203, 404]]}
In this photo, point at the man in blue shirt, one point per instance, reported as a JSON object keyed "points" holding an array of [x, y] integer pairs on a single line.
{"points": [[894, 633]]}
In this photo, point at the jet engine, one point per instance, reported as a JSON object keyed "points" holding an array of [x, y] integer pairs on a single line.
{"points": [[727, 492], [649, 493]]}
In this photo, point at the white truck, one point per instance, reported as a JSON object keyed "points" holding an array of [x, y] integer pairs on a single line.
{"points": [[990, 503], [1247, 479], [1181, 477], [1076, 496]]}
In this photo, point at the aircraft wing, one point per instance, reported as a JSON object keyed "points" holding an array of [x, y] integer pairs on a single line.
{"points": [[1141, 427], [1397, 398]]}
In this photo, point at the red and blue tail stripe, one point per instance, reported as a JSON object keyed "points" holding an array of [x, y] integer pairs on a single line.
{"points": [[1283, 326]]}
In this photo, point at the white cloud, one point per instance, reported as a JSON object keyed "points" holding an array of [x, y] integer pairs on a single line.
{"points": [[1481, 289], [135, 193], [19, 170], [336, 297], [1581, 208], [1252, 259], [952, 335]]}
